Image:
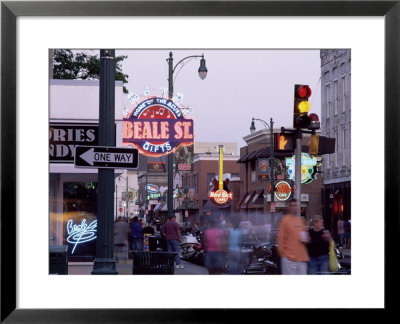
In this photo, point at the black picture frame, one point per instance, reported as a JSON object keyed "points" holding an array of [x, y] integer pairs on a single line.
{"points": [[10, 10]]}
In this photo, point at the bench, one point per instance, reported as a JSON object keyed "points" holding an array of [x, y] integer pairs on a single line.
{"points": [[153, 262]]}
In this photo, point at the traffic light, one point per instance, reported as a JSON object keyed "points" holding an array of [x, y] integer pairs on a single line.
{"points": [[284, 142], [319, 145], [313, 145], [301, 106]]}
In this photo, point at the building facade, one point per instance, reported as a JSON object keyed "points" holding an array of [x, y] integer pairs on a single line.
{"points": [[336, 123], [255, 186], [74, 120]]}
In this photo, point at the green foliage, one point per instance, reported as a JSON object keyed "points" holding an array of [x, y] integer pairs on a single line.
{"points": [[69, 65]]}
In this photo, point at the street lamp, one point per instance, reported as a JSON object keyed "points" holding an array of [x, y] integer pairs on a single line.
{"points": [[171, 69], [272, 163]]}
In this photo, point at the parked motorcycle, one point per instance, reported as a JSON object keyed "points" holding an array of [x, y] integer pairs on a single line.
{"points": [[344, 263], [188, 241], [264, 259]]}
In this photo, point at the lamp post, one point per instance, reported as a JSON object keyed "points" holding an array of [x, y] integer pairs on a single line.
{"points": [[272, 163], [171, 69]]}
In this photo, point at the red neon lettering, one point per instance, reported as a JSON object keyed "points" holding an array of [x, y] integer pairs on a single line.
{"points": [[127, 129], [183, 133]]}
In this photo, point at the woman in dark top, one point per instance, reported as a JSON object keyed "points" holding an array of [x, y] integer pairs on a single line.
{"points": [[318, 247]]}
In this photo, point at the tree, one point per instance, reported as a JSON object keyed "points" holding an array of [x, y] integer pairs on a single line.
{"points": [[80, 65]]}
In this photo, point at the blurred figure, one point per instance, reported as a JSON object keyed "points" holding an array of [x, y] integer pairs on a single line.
{"points": [[246, 228], [292, 239], [340, 231], [347, 234], [318, 247], [121, 234], [172, 234], [137, 235], [233, 258], [215, 245]]}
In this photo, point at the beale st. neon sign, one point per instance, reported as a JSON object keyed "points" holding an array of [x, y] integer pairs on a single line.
{"points": [[157, 127]]}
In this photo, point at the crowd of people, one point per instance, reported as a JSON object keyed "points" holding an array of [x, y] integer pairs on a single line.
{"points": [[303, 248]]}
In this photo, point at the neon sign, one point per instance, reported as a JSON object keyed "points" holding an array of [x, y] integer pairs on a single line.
{"points": [[78, 234], [283, 190], [157, 127], [308, 167]]}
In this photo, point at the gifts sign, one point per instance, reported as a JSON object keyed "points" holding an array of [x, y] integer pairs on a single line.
{"points": [[157, 127]]}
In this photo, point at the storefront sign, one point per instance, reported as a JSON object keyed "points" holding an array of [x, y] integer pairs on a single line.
{"points": [[283, 190], [64, 137], [184, 158], [155, 166], [152, 188], [157, 127], [82, 233], [263, 169], [308, 167]]}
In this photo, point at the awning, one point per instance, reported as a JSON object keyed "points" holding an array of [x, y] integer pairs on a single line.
{"points": [[249, 157], [257, 201], [246, 199], [160, 207], [243, 158], [266, 153], [190, 205]]}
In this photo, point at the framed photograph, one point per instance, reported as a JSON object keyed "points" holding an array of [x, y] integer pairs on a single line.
{"points": [[30, 28]]}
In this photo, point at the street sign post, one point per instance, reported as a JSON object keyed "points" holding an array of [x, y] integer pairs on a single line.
{"points": [[106, 157]]}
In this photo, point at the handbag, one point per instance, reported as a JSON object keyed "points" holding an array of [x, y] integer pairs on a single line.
{"points": [[333, 262]]}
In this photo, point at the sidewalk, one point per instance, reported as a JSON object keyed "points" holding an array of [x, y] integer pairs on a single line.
{"points": [[126, 268]]}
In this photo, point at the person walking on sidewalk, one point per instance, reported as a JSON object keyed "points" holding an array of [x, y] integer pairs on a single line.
{"points": [[318, 247], [172, 234], [292, 239], [137, 235], [121, 233]]}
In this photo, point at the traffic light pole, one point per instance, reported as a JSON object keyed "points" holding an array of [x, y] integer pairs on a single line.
{"points": [[297, 171]]}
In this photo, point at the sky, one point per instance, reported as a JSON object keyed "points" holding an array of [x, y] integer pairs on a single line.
{"points": [[240, 84]]}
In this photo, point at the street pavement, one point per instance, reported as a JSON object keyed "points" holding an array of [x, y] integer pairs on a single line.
{"points": [[126, 268]]}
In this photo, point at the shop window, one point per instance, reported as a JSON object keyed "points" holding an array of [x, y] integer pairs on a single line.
{"points": [[80, 219]]}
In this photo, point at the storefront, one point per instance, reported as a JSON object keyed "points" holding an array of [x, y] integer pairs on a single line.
{"points": [[74, 111]]}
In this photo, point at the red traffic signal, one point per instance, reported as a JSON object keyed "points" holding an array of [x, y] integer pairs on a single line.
{"points": [[301, 106], [302, 91]]}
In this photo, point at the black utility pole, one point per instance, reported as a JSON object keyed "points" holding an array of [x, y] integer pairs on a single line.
{"points": [[104, 262]]}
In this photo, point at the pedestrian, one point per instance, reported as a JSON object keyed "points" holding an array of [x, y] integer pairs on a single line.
{"points": [[246, 229], [215, 246], [137, 235], [340, 231], [121, 234], [172, 234], [234, 237], [292, 238], [347, 234], [318, 247]]}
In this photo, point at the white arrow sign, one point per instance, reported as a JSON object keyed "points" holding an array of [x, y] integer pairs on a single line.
{"points": [[91, 157], [106, 157]]}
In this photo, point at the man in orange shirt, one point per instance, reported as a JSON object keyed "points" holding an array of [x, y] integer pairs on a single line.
{"points": [[292, 238]]}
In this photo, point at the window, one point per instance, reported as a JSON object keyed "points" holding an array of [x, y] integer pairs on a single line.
{"points": [[253, 176], [343, 93], [336, 148], [335, 96], [344, 147], [327, 101]]}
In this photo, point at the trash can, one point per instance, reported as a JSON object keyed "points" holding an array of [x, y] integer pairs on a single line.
{"points": [[58, 259], [153, 262], [153, 243]]}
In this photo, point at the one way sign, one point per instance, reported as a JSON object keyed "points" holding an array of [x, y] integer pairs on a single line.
{"points": [[106, 157]]}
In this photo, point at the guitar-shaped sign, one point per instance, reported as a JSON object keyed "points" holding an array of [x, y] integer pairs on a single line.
{"points": [[220, 196]]}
